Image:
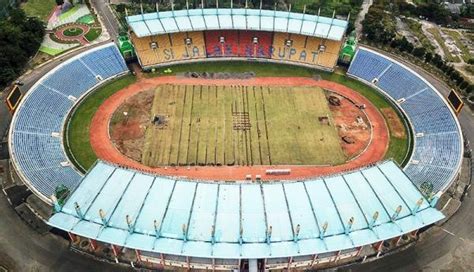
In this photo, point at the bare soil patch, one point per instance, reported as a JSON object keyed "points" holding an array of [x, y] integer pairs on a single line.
{"points": [[129, 123], [394, 123], [352, 125]]}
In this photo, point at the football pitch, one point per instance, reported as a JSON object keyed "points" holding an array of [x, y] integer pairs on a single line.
{"points": [[240, 125]]}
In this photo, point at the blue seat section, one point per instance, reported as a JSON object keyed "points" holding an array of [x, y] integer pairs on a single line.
{"points": [[42, 112], [36, 153], [435, 175], [110, 64], [72, 79], [367, 67], [39, 157], [434, 121], [438, 151], [398, 83]]}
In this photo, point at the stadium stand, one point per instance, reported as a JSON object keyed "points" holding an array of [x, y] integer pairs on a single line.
{"points": [[244, 33], [304, 49], [35, 134], [255, 44], [153, 50], [199, 224], [438, 145], [222, 43]]}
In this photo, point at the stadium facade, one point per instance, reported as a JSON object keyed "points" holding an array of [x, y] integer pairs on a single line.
{"points": [[170, 221]]}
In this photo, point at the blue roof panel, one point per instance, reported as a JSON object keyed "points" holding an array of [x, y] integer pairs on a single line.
{"points": [[186, 211], [237, 19], [179, 210], [228, 214], [253, 214], [204, 211]]}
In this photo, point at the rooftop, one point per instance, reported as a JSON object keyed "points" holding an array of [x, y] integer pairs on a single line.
{"points": [[164, 22], [244, 220]]}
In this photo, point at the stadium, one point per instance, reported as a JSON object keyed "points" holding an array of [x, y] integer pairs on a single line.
{"points": [[236, 171]]}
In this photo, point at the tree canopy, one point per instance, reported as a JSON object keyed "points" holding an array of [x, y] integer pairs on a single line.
{"points": [[20, 38]]}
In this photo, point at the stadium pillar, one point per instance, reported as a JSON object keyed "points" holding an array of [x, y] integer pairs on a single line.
{"points": [[414, 233], [315, 258], [139, 257], [337, 256], [359, 250], [162, 259], [397, 240], [378, 246], [290, 260], [187, 263], [73, 237], [115, 250], [93, 244]]}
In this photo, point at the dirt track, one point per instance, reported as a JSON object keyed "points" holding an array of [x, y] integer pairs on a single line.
{"points": [[105, 150]]}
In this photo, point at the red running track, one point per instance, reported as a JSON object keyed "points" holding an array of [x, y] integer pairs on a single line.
{"points": [[105, 149]]}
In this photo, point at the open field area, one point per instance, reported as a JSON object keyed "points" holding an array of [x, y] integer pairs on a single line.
{"points": [[79, 123], [39, 8], [236, 125]]}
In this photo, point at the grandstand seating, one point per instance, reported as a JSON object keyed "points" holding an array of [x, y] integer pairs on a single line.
{"points": [[37, 153], [437, 153], [305, 50], [249, 49], [169, 47], [229, 48], [236, 43]]}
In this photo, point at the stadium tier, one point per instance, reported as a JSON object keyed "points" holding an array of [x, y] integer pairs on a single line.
{"points": [[264, 35], [215, 225], [169, 48], [438, 143], [37, 127]]}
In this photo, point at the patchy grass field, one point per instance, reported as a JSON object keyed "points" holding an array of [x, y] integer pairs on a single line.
{"points": [[238, 125], [457, 39], [39, 8], [440, 40]]}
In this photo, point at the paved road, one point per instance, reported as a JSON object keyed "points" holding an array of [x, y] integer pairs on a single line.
{"points": [[22, 249], [360, 17]]}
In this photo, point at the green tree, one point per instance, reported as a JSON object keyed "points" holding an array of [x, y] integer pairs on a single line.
{"points": [[20, 38], [419, 52]]}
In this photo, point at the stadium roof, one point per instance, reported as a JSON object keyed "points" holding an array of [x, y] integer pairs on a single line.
{"points": [[236, 19], [232, 221]]}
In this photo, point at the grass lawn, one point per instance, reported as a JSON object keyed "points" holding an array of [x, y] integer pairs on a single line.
{"points": [[68, 13], [72, 31], [440, 41], [79, 133], [260, 69], [39, 8], [93, 34], [87, 19], [78, 126], [51, 51]]}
